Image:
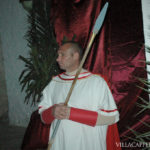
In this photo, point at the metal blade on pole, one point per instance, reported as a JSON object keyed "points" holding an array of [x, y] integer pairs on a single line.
{"points": [[97, 27]]}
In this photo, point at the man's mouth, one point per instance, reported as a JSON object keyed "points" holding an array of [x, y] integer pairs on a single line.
{"points": [[60, 64]]}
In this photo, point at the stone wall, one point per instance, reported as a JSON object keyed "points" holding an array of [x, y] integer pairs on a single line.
{"points": [[3, 91], [13, 26]]}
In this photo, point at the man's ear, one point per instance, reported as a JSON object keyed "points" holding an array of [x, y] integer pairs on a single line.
{"points": [[76, 56]]}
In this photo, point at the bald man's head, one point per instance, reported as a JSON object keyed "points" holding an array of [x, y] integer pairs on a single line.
{"points": [[69, 56], [75, 47]]}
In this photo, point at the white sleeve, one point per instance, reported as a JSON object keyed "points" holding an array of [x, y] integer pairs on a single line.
{"points": [[46, 100], [107, 106]]}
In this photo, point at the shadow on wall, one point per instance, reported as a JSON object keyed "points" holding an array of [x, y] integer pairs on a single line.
{"points": [[3, 90]]}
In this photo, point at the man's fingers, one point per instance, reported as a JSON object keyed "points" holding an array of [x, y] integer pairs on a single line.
{"points": [[60, 104], [61, 116], [61, 111]]}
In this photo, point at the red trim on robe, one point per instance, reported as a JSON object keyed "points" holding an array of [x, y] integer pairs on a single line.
{"points": [[108, 110], [73, 78]]}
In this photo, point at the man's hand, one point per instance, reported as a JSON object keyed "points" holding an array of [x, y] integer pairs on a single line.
{"points": [[60, 111]]}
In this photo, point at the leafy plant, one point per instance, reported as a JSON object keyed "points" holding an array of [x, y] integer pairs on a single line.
{"points": [[41, 64], [145, 106], [146, 82]]}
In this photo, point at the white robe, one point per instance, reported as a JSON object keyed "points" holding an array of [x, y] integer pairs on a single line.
{"points": [[91, 92]]}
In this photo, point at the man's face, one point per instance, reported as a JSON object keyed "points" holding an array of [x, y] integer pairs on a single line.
{"points": [[67, 59]]}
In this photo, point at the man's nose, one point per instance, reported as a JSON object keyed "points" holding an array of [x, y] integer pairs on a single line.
{"points": [[58, 59]]}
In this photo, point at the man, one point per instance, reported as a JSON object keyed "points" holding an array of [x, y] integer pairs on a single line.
{"points": [[90, 110]]}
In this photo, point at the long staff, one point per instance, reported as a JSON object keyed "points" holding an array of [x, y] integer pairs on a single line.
{"points": [[96, 28]]}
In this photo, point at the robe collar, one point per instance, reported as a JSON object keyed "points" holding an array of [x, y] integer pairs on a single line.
{"points": [[84, 74]]}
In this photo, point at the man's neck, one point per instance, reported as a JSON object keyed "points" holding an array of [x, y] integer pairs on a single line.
{"points": [[71, 73]]}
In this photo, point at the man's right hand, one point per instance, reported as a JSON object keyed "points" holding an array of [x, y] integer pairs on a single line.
{"points": [[60, 111]]}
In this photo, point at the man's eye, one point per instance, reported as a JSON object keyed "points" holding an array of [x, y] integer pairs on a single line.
{"points": [[61, 54]]}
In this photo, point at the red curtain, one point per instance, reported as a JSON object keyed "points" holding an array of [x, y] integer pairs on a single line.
{"points": [[115, 53], [77, 17]]}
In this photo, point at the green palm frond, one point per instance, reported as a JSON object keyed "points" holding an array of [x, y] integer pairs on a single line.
{"points": [[146, 82], [140, 138], [136, 134], [41, 64], [144, 105]]}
